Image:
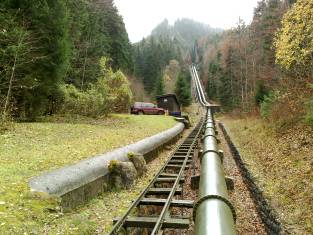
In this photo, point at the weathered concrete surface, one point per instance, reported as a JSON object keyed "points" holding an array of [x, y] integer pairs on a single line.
{"points": [[80, 177]]}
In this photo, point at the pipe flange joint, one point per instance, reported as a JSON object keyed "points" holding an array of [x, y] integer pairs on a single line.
{"points": [[209, 127], [220, 153], [217, 140], [208, 197], [212, 122]]}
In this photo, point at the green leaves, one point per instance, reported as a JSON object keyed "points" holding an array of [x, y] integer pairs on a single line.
{"points": [[56, 42]]}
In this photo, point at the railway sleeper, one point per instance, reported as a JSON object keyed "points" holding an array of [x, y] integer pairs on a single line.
{"points": [[163, 191], [173, 166], [161, 202], [149, 222], [185, 147], [167, 175], [180, 156], [172, 161], [168, 180]]}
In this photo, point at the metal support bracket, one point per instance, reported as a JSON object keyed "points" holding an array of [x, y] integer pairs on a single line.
{"points": [[194, 182], [230, 183]]}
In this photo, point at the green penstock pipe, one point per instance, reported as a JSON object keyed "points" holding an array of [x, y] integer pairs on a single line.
{"points": [[213, 212]]}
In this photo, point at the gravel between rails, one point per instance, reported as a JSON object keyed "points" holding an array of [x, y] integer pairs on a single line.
{"points": [[248, 221]]}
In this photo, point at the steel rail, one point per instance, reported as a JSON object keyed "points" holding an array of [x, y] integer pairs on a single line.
{"points": [[119, 224], [198, 96], [199, 87], [200, 93], [158, 225]]}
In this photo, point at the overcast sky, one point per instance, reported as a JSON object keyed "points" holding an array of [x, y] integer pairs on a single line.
{"points": [[141, 16]]}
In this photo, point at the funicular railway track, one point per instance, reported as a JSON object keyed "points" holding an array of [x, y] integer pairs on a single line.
{"points": [[161, 192], [212, 212]]}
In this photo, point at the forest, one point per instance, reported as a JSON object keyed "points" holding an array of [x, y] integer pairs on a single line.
{"points": [[54, 54], [75, 57], [62, 56], [69, 75], [264, 67]]}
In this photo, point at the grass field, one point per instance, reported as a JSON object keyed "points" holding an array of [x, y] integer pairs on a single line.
{"points": [[282, 164], [31, 148]]}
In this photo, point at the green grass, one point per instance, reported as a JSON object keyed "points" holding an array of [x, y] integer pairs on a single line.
{"points": [[282, 164], [32, 148]]}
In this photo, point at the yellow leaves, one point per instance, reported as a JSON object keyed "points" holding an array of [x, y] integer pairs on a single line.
{"points": [[294, 42]]}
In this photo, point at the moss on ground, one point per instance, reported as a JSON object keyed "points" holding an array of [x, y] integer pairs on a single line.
{"points": [[31, 148], [283, 166]]}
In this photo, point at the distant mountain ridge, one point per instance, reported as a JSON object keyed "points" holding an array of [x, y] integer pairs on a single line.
{"points": [[184, 30], [166, 53]]}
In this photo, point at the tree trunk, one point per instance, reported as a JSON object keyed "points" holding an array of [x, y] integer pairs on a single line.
{"points": [[254, 76], [246, 76], [231, 79], [84, 68], [9, 93], [7, 100], [241, 84]]}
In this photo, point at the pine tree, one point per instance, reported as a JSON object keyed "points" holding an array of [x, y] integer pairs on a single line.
{"points": [[182, 90], [46, 24], [159, 88]]}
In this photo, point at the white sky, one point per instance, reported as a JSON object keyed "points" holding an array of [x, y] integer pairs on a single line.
{"points": [[141, 16]]}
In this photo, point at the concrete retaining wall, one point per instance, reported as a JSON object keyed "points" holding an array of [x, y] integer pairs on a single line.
{"points": [[82, 181]]}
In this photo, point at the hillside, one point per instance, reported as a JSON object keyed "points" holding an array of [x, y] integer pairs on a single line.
{"points": [[281, 165], [166, 53], [52, 49]]}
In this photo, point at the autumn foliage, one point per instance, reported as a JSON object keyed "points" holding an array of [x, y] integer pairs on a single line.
{"points": [[245, 66]]}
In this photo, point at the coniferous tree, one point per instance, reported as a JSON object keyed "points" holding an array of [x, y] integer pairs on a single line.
{"points": [[54, 42], [159, 88], [182, 90], [46, 24]]}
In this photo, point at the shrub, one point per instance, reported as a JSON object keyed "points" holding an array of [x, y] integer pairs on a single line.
{"points": [[119, 94], [266, 104], [110, 93], [5, 124], [309, 110], [261, 93], [309, 113], [282, 109], [88, 103], [115, 87]]}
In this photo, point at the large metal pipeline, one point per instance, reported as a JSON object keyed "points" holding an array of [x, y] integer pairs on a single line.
{"points": [[199, 87], [213, 212]]}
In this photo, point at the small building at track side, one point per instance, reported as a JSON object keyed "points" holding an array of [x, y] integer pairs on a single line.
{"points": [[170, 103]]}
